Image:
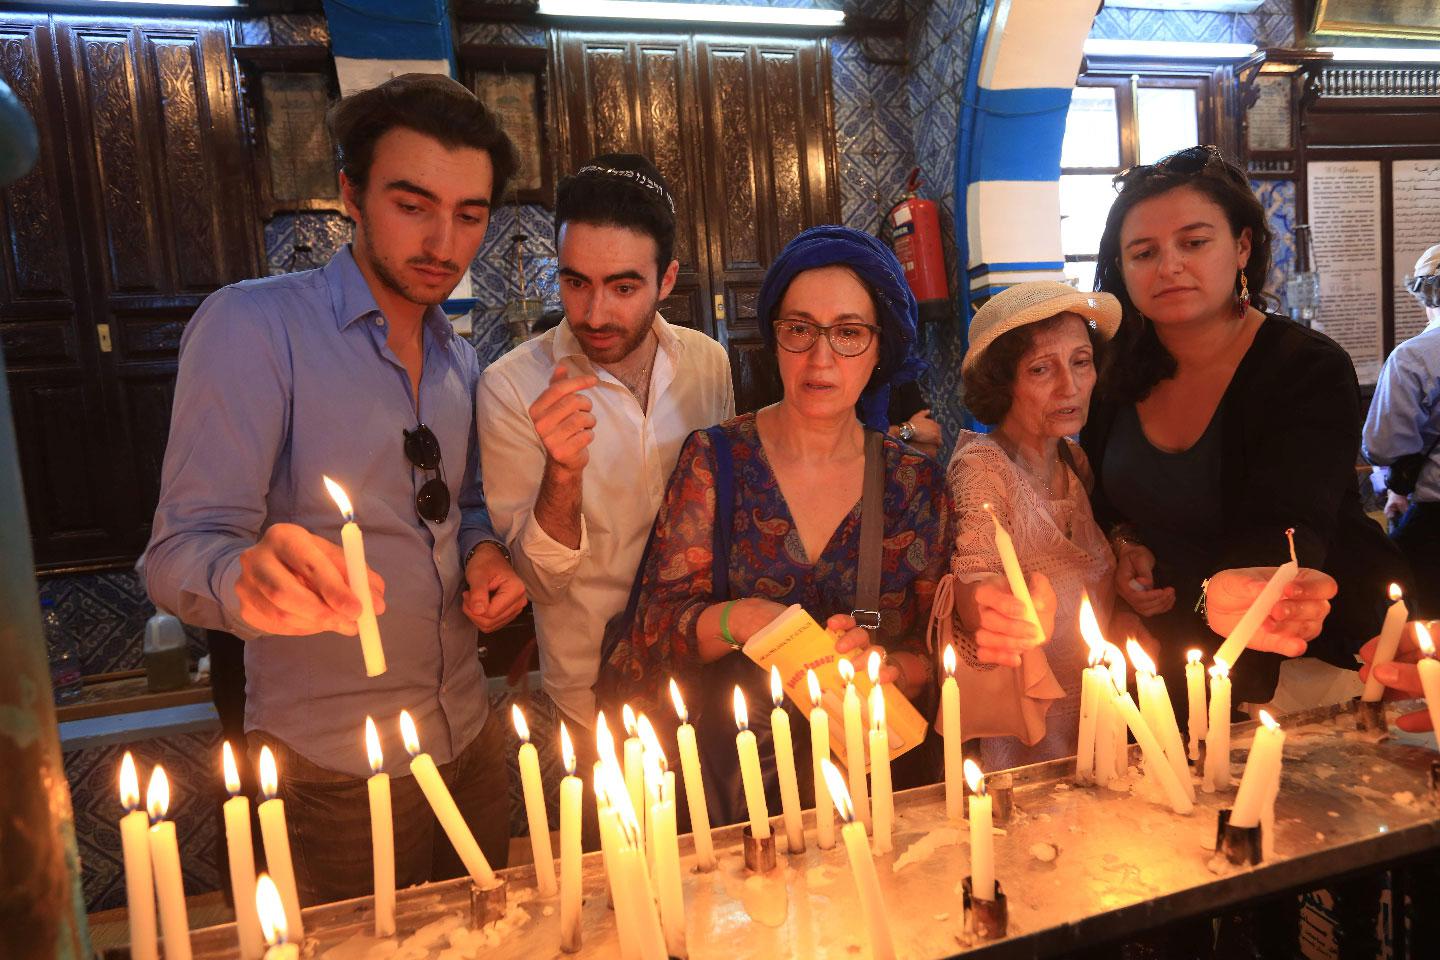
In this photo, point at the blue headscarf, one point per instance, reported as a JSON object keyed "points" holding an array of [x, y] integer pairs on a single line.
{"points": [[895, 307]]}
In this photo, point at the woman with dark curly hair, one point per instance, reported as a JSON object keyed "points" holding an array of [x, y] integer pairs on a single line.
{"points": [[1217, 427]]}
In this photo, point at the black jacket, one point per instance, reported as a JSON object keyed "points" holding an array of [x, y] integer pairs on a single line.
{"points": [[1290, 439]]}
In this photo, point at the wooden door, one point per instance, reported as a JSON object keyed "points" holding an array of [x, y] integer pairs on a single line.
{"points": [[149, 206]]}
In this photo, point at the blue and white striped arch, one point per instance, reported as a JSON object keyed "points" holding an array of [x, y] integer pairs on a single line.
{"points": [[1023, 66], [374, 40]]}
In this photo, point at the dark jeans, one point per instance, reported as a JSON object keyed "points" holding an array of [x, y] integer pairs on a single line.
{"points": [[1418, 537], [328, 814]]}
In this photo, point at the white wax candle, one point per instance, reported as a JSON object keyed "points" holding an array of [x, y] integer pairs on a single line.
{"points": [[1259, 609], [276, 835], [241, 853], [667, 868], [1105, 722], [1262, 773], [382, 834], [982, 836], [165, 861], [785, 766], [427, 775], [534, 791], [1217, 739], [855, 744], [1390, 632], [1014, 573], [1116, 661], [1154, 756], [634, 769], [1429, 669], [139, 875], [882, 809], [609, 844], [571, 796], [862, 867], [1159, 713], [950, 731], [819, 751], [1195, 695], [750, 771], [694, 786], [1089, 714], [634, 889], [355, 571]]}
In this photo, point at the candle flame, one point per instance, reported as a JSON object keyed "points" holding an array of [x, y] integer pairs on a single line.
{"points": [[232, 775], [872, 666], [839, 793], [521, 727], [1268, 720], [1422, 637], [949, 660], [617, 794], [1089, 625], [651, 742], [129, 783], [847, 670], [157, 796], [627, 717], [679, 701], [742, 718], [337, 493], [372, 746], [604, 740], [1220, 670], [1139, 657], [1290, 535], [777, 689], [974, 777], [409, 734], [877, 708], [271, 910], [813, 682], [1395, 592], [269, 776], [567, 750], [1115, 660], [1193, 656]]}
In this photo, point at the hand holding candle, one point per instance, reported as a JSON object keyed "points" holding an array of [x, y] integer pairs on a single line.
{"points": [[139, 875], [382, 833], [359, 576], [241, 850], [750, 770], [165, 860], [862, 867]]}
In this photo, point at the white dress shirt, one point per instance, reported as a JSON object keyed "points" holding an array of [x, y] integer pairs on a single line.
{"points": [[575, 592]]}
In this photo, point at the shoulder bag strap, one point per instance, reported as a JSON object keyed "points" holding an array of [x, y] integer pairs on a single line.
{"points": [[872, 528]]}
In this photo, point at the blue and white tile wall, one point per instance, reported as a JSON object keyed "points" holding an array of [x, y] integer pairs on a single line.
{"points": [[1278, 199]]}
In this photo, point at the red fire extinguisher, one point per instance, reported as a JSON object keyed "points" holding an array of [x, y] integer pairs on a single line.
{"points": [[915, 237]]}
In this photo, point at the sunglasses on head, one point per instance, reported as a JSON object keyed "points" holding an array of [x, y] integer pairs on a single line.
{"points": [[1202, 159], [432, 503]]}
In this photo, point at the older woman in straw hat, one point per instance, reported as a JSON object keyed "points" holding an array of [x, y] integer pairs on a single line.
{"points": [[1028, 373]]}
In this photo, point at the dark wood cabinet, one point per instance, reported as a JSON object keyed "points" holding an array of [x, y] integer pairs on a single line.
{"points": [[140, 205]]}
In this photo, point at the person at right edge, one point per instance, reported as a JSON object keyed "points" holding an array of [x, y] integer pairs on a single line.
{"points": [[1217, 427]]}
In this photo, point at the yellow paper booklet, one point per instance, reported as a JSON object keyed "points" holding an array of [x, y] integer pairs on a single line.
{"points": [[794, 642]]}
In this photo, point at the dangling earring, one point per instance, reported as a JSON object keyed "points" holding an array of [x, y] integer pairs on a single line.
{"points": [[1242, 303]]}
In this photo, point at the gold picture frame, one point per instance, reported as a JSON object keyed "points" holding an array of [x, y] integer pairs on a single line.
{"points": [[1398, 19]]}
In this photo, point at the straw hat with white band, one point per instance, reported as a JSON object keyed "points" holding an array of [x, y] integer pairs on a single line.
{"points": [[1032, 302]]}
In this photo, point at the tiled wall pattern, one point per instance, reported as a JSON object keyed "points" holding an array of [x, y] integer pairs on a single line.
{"points": [[1270, 25], [1278, 199]]}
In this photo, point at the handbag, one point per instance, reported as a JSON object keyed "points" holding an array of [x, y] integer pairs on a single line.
{"points": [[1404, 473]]}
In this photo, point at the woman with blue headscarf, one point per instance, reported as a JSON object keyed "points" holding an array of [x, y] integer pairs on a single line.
{"points": [[835, 308]]}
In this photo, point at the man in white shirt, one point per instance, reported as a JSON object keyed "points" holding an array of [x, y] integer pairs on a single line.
{"points": [[580, 428]]}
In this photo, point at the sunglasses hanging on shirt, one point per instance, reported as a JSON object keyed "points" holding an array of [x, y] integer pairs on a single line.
{"points": [[432, 503]]}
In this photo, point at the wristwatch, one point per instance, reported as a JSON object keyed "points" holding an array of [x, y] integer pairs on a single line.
{"points": [[907, 431], [504, 551]]}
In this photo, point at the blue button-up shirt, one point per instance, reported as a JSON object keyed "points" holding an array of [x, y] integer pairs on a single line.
{"points": [[1405, 413], [283, 380]]}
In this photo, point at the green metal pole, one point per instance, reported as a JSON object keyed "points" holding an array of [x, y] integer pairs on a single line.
{"points": [[42, 909]]}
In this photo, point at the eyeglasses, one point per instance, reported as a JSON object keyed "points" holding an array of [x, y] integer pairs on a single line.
{"points": [[846, 339], [423, 450], [1187, 162]]}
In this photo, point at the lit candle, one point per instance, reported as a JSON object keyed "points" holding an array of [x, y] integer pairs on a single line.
{"points": [[1429, 669], [1195, 695], [1259, 609], [355, 571], [1091, 684], [1154, 756], [1217, 739], [785, 766], [1262, 773], [882, 802], [423, 768], [634, 768], [1389, 639], [654, 775], [694, 786], [382, 833], [665, 844], [862, 866], [571, 794], [241, 850], [609, 843], [139, 877], [982, 835], [1162, 715], [1014, 573], [1105, 719], [820, 750], [272, 920], [750, 770], [276, 834], [165, 860], [950, 730], [1115, 660], [534, 791], [633, 897], [854, 743]]}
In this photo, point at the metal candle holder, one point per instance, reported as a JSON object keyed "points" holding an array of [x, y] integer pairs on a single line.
{"points": [[1370, 716], [1001, 788], [1239, 845], [986, 919], [759, 853], [487, 904]]}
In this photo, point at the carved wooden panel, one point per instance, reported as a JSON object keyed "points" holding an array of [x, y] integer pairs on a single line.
{"points": [[33, 238], [663, 138], [186, 169], [63, 467], [733, 127], [787, 181], [612, 124]]}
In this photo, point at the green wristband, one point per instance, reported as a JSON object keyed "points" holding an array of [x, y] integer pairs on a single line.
{"points": [[725, 624]]}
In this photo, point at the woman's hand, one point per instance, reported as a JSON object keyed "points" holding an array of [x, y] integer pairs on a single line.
{"points": [[747, 618], [1400, 676], [1293, 622], [909, 672], [998, 621], [1395, 506], [1135, 580]]}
